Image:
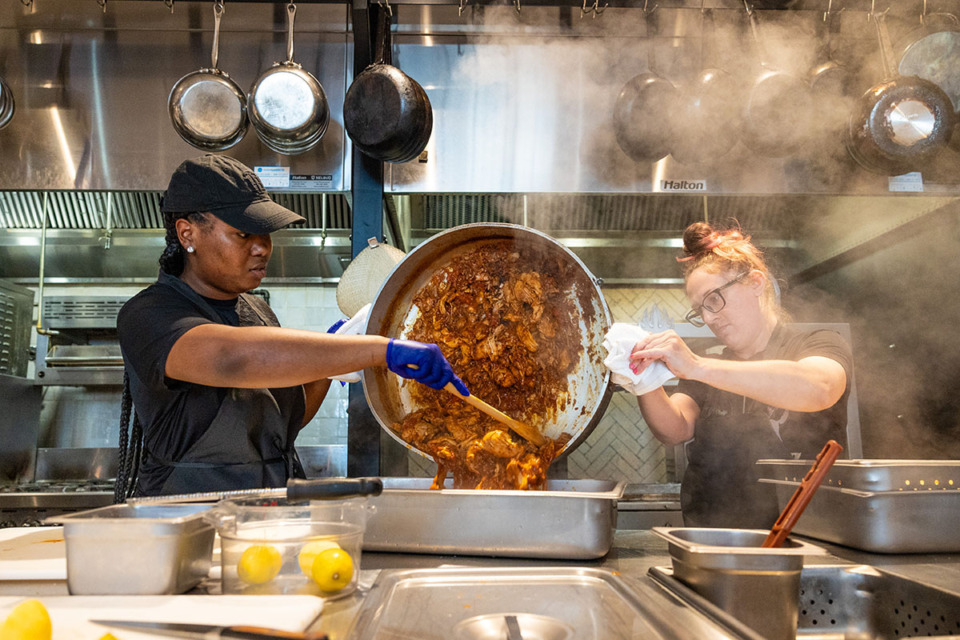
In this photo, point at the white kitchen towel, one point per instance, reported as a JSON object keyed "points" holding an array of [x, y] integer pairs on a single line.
{"points": [[619, 342], [353, 327]]}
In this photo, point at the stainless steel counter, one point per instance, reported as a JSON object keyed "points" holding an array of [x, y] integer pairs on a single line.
{"points": [[632, 556]]}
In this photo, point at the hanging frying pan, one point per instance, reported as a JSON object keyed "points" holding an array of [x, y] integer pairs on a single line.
{"points": [[386, 113], [7, 104], [830, 82], [902, 123], [206, 107], [644, 110], [287, 105], [932, 52], [710, 107], [779, 107]]}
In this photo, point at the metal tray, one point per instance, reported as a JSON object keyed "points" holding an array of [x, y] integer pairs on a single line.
{"points": [[122, 549], [873, 475], [570, 519], [546, 603], [881, 521]]}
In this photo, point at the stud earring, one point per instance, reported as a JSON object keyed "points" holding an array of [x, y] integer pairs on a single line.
{"points": [[189, 249]]}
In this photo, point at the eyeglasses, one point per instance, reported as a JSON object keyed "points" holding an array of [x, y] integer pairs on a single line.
{"points": [[712, 302]]}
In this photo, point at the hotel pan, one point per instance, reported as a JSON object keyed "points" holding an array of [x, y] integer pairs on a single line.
{"points": [[571, 519], [872, 475], [880, 521], [136, 550]]}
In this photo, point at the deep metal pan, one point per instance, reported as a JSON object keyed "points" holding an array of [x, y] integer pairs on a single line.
{"points": [[206, 107], [287, 105], [394, 313], [386, 113]]}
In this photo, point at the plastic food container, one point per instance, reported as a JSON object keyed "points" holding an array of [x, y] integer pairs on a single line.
{"points": [[136, 550], [273, 546], [759, 586]]}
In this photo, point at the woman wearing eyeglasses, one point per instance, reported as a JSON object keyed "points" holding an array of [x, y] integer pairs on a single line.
{"points": [[774, 392]]}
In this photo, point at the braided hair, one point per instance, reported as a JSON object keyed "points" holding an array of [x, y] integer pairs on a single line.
{"points": [[130, 453], [131, 447], [723, 250]]}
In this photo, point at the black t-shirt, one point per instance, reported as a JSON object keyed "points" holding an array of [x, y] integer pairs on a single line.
{"points": [[174, 414], [733, 432]]}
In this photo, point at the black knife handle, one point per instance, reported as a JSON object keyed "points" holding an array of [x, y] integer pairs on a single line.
{"points": [[263, 633], [332, 488]]}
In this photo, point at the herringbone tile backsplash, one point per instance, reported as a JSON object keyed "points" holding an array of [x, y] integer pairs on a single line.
{"points": [[621, 447]]}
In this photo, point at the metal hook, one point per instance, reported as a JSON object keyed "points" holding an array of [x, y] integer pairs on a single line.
{"points": [[103, 5], [646, 11], [595, 10], [826, 14], [385, 4], [598, 10], [516, 5], [27, 3], [169, 4], [463, 5], [924, 14], [746, 5]]}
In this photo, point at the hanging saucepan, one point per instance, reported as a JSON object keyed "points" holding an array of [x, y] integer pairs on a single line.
{"points": [[778, 114], [386, 113], [7, 104], [207, 108], [830, 81], [643, 114], [901, 124], [710, 108], [287, 105], [932, 52]]}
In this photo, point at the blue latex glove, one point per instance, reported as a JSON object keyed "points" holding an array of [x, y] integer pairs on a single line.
{"points": [[423, 363]]}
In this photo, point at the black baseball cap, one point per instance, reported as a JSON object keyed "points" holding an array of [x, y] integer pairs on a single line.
{"points": [[228, 189]]}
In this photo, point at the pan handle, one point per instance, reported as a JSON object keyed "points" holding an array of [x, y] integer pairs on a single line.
{"points": [[333, 488], [215, 50], [291, 14]]}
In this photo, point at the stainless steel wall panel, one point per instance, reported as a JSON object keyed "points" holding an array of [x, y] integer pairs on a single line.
{"points": [[92, 88]]}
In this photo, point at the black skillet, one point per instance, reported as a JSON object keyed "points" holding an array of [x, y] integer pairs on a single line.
{"points": [[901, 124], [644, 110], [710, 107], [386, 113], [779, 107]]}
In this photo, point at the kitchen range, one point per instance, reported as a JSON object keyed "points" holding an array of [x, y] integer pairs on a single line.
{"points": [[568, 143]]}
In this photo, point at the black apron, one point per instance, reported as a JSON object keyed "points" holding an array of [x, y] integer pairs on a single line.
{"points": [[250, 442], [720, 486]]}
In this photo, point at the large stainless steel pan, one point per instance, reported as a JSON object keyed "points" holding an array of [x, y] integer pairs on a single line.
{"points": [[206, 107], [7, 104], [393, 314], [287, 105]]}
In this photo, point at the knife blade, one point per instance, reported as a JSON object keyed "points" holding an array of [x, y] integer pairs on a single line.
{"points": [[210, 631]]}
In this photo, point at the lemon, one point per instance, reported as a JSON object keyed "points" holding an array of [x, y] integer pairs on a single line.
{"points": [[29, 620], [332, 569], [309, 553], [259, 563]]}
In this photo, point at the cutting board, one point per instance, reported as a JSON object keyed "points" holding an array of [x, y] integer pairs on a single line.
{"points": [[33, 553], [71, 615]]}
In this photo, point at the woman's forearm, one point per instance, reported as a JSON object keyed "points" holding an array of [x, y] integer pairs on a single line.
{"points": [[261, 357], [671, 419], [811, 384]]}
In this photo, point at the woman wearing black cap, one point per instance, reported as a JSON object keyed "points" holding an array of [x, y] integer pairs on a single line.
{"points": [[220, 390], [776, 391]]}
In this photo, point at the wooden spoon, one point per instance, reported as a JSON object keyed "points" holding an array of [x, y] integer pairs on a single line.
{"points": [[524, 430], [801, 497]]}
